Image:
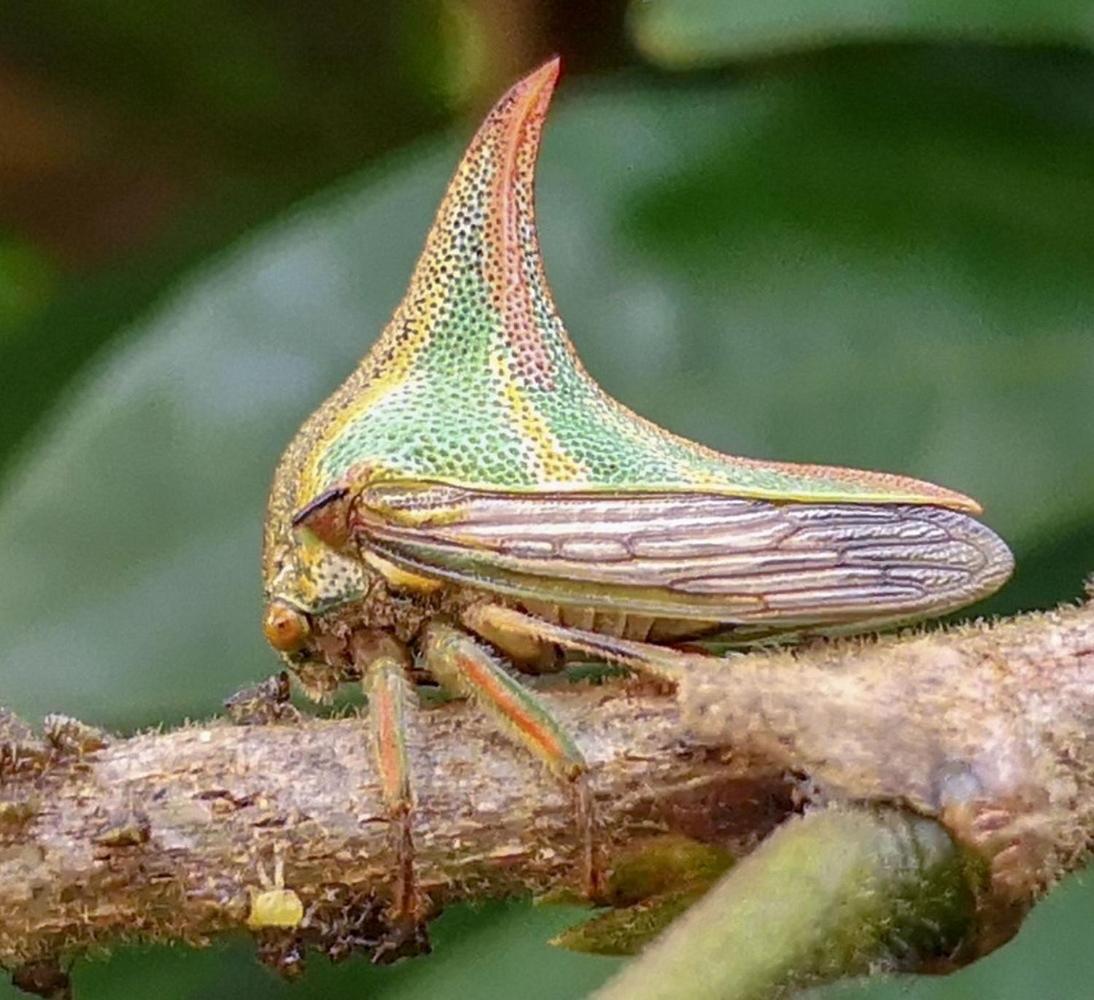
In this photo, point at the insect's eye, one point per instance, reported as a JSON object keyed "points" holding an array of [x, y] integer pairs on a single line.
{"points": [[286, 628]]}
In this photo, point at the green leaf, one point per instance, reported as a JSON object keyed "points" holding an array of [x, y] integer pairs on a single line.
{"points": [[883, 265], [689, 33]]}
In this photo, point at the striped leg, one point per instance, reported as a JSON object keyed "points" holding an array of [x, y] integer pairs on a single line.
{"points": [[465, 668], [384, 663], [660, 662]]}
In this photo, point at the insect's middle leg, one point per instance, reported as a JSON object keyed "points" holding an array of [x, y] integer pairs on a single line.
{"points": [[659, 662], [465, 668]]}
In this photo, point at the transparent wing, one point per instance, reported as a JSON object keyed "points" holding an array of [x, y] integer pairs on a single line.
{"points": [[693, 556]]}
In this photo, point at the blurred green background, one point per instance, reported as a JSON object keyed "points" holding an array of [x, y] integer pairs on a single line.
{"points": [[858, 232]]}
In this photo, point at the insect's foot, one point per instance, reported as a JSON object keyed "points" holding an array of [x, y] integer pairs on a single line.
{"points": [[262, 704], [385, 666], [403, 939], [409, 907], [592, 873], [282, 951]]}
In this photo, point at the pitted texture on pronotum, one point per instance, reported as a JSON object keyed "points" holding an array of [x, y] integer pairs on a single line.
{"points": [[474, 382]]}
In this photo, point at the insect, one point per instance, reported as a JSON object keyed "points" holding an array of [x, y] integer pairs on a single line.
{"points": [[471, 503]]}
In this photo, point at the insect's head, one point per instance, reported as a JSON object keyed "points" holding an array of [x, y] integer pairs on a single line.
{"points": [[310, 585], [312, 604]]}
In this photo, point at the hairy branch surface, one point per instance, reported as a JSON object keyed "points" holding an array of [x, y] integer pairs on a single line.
{"points": [[174, 836], [171, 836]]}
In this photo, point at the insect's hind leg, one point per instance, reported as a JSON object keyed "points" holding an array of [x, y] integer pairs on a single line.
{"points": [[465, 668], [384, 665], [659, 662]]}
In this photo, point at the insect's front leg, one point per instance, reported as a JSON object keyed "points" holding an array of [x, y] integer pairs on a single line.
{"points": [[465, 668], [384, 665]]}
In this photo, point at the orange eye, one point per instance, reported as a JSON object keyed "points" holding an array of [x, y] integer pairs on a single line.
{"points": [[286, 629]]}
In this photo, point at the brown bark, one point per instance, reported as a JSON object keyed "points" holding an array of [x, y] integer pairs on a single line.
{"points": [[169, 836], [990, 728]]}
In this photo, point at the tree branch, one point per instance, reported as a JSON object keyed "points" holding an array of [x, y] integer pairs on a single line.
{"points": [[990, 728], [166, 835], [169, 836]]}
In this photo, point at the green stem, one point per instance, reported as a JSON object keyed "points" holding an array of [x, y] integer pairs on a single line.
{"points": [[832, 894]]}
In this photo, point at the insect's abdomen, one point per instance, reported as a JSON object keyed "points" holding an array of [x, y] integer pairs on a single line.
{"points": [[620, 625]]}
